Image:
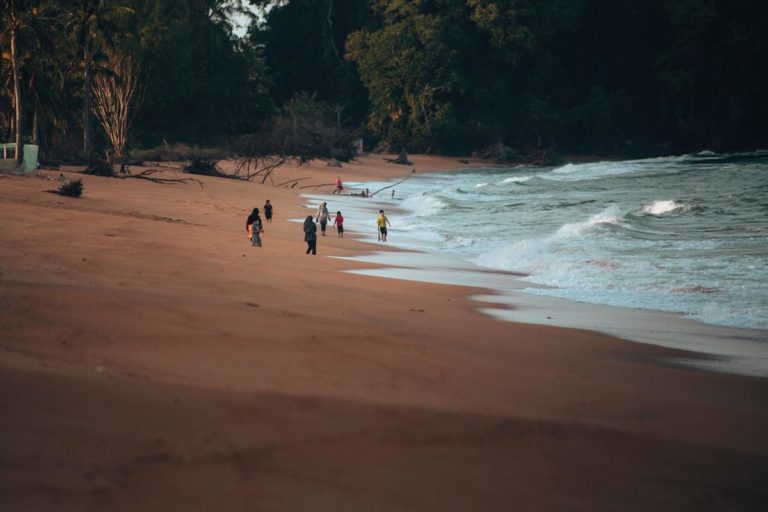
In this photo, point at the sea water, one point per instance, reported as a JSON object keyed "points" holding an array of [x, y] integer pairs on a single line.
{"points": [[685, 234]]}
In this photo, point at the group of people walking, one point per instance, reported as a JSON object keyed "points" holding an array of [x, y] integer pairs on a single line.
{"points": [[322, 217], [254, 225]]}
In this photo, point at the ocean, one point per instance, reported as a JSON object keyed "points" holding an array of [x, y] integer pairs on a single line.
{"points": [[686, 235]]}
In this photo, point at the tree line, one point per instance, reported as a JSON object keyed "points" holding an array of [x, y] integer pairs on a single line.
{"points": [[445, 76]]}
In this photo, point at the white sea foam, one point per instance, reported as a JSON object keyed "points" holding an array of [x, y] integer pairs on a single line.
{"points": [[515, 179], [592, 171], [662, 207], [610, 215], [580, 239], [422, 205]]}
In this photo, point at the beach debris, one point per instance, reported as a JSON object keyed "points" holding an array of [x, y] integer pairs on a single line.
{"points": [[71, 188], [148, 175], [100, 168], [402, 159], [388, 186], [295, 181], [204, 167]]}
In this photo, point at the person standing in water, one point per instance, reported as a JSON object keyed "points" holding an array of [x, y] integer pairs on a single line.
{"points": [[382, 222], [323, 216], [338, 221], [310, 235], [268, 211], [339, 186]]}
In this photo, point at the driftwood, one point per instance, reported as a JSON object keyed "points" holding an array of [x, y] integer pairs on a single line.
{"points": [[203, 167], [388, 186], [147, 175], [100, 169], [251, 167], [294, 181], [105, 169], [320, 185]]}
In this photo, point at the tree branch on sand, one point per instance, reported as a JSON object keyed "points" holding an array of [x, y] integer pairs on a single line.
{"points": [[319, 185], [105, 169], [262, 166], [294, 181], [306, 129], [148, 175]]}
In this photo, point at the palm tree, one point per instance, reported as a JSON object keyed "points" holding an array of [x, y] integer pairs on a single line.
{"points": [[43, 85], [12, 21], [29, 30]]}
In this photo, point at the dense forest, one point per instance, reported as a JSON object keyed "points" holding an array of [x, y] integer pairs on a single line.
{"points": [[85, 78]]}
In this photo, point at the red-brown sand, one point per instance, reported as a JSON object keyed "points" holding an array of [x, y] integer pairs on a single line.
{"points": [[151, 359]]}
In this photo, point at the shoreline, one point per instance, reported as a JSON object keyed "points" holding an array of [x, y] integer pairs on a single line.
{"points": [[712, 347], [152, 358]]}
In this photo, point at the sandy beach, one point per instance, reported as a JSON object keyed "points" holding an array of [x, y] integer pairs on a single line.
{"points": [[151, 359]]}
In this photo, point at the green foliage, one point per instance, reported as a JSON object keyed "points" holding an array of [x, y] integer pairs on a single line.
{"points": [[304, 48], [202, 85], [307, 129], [411, 71], [449, 76]]}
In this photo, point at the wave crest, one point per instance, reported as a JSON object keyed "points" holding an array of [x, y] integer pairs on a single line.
{"points": [[663, 206], [423, 205], [515, 179]]}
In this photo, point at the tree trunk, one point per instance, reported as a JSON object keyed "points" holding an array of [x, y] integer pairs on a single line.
{"points": [[35, 125], [329, 22], [86, 96], [16, 94]]}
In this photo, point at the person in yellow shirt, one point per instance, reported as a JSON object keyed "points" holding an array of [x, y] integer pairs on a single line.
{"points": [[382, 222]]}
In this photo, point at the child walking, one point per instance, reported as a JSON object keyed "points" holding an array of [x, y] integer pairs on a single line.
{"points": [[338, 221], [382, 222]]}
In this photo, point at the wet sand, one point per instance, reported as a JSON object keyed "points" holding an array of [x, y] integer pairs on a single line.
{"points": [[152, 360]]}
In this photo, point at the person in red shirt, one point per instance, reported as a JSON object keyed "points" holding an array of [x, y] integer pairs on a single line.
{"points": [[339, 186], [338, 221]]}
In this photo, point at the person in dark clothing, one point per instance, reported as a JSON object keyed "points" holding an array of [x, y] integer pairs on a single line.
{"points": [[252, 217], [254, 227], [268, 211], [310, 235]]}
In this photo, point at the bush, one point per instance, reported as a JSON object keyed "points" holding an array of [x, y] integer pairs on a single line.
{"points": [[498, 152], [306, 129], [179, 153]]}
